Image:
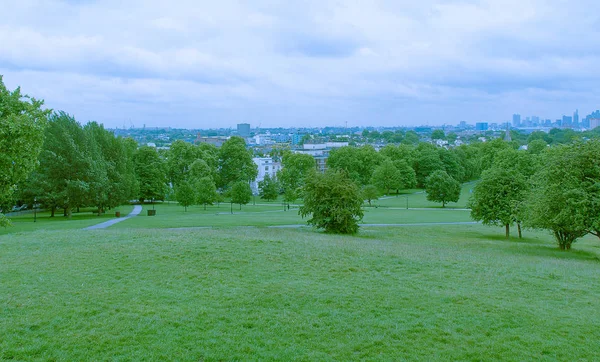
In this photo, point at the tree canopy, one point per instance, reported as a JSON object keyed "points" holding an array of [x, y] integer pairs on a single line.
{"points": [[333, 202], [22, 123], [441, 187]]}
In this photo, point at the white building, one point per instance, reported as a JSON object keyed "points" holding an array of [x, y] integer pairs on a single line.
{"points": [[266, 166]]}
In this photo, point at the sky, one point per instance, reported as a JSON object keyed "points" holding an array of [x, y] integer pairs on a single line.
{"points": [[213, 64]]}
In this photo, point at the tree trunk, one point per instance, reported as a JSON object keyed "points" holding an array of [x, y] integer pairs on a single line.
{"points": [[369, 202], [64, 211], [443, 203], [519, 228], [507, 226], [52, 210], [78, 209], [204, 206]]}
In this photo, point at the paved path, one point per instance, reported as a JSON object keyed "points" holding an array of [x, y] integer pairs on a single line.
{"points": [[136, 211]]}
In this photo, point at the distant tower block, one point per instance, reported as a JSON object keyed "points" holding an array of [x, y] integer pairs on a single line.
{"points": [[243, 129]]}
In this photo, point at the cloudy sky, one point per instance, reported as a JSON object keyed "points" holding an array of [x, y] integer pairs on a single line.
{"points": [[212, 64]]}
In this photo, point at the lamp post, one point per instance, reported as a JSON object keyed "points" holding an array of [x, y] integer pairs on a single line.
{"points": [[34, 209]]}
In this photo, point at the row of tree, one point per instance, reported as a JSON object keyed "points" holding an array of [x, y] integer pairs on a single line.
{"points": [[557, 189]]}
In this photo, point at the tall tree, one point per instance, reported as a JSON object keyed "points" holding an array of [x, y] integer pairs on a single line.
{"points": [[268, 188], [235, 162], [426, 161], [206, 191], [333, 202], [22, 122], [496, 198], [387, 177], [151, 173], [359, 163], [240, 193], [185, 194], [295, 169], [565, 192], [441, 187]]}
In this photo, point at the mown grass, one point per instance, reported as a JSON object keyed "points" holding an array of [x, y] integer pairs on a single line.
{"points": [[418, 199], [405, 293], [24, 221]]}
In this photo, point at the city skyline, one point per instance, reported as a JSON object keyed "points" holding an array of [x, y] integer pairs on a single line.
{"points": [[195, 64]]}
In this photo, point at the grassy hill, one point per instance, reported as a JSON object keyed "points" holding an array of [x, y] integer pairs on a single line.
{"points": [[250, 293]]}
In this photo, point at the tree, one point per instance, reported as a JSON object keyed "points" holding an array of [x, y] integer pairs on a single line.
{"points": [[564, 197], [235, 162], [185, 194], [206, 191], [151, 174], [438, 134], [359, 163], [441, 187], [240, 193], [496, 198], [408, 178], [537, 146], [295, 168], [268, 188], [333, 202], [426, 161], [387, 177], [369, 193], [452, 164], [22, 123], [65, 172]]}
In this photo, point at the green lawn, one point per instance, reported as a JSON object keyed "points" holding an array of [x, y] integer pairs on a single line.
{"points": [[79, 220], [418, 199], [403, 293]]}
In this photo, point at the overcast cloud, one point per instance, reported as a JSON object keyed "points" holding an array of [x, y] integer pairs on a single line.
{"points": [[209, 64]]}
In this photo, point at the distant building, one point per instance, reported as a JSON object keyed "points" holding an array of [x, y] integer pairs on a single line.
{"points": [[576, 118], [516, 120], [567, 121], [594, 122], [266, 166], [243, 129], [215, 141], [297, 138], [481, 126]]}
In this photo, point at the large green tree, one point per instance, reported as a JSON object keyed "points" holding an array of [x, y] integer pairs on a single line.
{"points": [[65, 173], [151, 173], [426, 161], [296, 167], [387, 177], [206, 191], [441, 187], [22, 122], [359, 163], [235, 162], [240, 193], [497, 197], [185, 194], [268, 188], [565, 192], [333, 201]]}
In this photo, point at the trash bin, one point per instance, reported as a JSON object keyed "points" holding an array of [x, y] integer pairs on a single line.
{"points": [[151, 212], [118, 214]]}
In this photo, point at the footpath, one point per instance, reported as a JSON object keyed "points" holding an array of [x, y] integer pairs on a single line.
{"points": [[136, 211]]}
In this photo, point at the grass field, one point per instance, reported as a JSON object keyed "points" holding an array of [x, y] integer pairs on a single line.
{"points": [[404, 293], [25, 220]]}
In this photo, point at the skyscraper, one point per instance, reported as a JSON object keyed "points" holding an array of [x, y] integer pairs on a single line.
{"points": [[516, 120], [243, 129], [576, 118]]}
